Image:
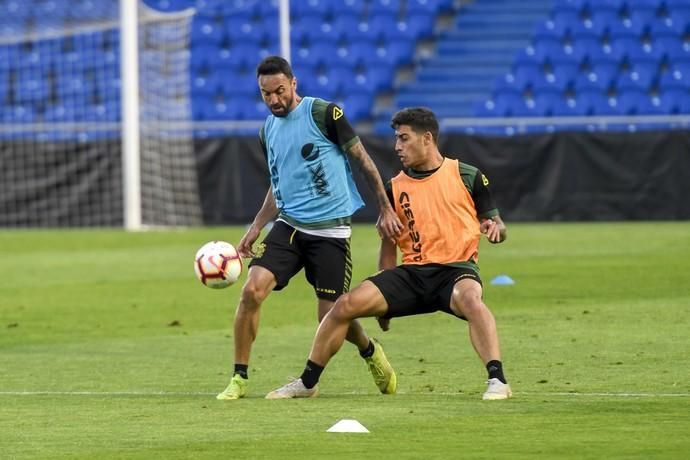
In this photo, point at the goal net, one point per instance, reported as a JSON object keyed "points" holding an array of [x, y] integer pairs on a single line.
{"points": [[61, 150]]}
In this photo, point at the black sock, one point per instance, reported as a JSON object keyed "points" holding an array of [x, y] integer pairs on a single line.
{"points": [[312, 373], [241, 370], [368, 351], [495, 369]]}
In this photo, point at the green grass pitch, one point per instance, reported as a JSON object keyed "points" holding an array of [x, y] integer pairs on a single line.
{"points": [[110, 348]]}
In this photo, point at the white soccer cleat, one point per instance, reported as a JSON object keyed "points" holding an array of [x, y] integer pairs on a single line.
{"points": [[294, 389], [497, 390]]}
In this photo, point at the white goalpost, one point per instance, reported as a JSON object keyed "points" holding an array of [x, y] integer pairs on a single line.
{"points": [[131, 164], [96, 118]]}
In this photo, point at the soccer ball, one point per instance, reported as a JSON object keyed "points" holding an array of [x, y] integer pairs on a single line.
{"points": [[217, 264]]}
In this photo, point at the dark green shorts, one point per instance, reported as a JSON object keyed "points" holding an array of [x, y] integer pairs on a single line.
{"points": [[418, 289], [327, 262]]}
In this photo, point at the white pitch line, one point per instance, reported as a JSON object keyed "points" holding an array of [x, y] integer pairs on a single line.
{"points": [[190, 393], [102, 393]]}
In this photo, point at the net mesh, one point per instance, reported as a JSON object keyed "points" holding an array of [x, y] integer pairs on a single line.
{"points": [[60, 104]]}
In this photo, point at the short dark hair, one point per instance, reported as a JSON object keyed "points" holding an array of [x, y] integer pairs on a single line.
{"points": [[420, 119], [273, 65]]}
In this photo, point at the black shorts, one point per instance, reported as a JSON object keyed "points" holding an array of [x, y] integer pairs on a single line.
{"points": [[415, 290], [327, 262]]}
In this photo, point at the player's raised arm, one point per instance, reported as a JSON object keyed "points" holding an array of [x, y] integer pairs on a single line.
{"points": [[388, 224]]}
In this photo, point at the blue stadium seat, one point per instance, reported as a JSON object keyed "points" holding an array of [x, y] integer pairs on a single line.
{"points": [[571, 6], [206, 31], [63, 113], [328, 83], [238, 83], [349, 7], [497, 106], [552, 82], [562, 21], [612, 6], [595, 26], [223, 109], [19, 11], [666, 27], [540, 52], [677, 77], [678, 8], [569, 107], [322, 7], [640, 77], [209, 85], [594, 80], [250, 55], [384, 7], [385, 27], [592, 52], [428, 6], [363, 82], [393, 54], [381, 76], [600, 104], [519, 79], [168, 5], [364, 29], [323, 53], [254, 109], [633, 27], [242, 31], [357, 107], [633, 102], [66, 85], [549, 30], [676, 100], [320, 31], [346, 26], [18, 113], [675, 51], [31, 87], [104, 112]]}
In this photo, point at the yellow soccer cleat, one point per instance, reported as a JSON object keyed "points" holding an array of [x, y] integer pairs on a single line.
{"points": [[237, 388], [381, 370]]}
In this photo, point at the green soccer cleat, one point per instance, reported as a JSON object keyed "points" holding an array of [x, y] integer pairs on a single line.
{"points": [[237, 388], [497, 390], [381, 369], [294, 389]]}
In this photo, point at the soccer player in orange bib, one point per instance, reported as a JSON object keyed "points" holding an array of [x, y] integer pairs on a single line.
{"points": [[445, 206]]}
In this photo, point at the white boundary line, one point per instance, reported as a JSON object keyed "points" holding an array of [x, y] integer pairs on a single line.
{"points": [[191, 393]]}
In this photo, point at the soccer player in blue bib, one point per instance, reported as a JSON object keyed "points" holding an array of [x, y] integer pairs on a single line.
{"points": [[312, 197]]}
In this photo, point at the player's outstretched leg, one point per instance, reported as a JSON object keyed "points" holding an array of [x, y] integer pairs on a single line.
{"points": [[381, 370], [236, 389]]}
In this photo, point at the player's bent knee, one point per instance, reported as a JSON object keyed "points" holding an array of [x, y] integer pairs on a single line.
{"points": [[345, 309], [252, 293], [468, 304]]}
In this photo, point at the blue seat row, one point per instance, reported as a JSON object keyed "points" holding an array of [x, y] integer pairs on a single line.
{"points": [[604, 77], [310, 29], [243, 107], [345, 50], [587, 103], [607, 57]]}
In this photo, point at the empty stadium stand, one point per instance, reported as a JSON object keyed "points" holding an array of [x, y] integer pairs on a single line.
{"points": [[600, 58], [498, 58]]}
